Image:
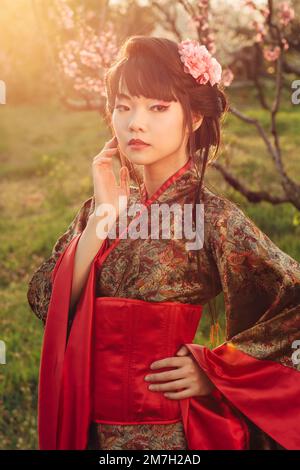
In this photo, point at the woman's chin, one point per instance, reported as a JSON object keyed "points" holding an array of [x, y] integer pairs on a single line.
{"points": [[140, 158]]}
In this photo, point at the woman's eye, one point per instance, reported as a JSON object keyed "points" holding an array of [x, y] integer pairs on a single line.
{"points": [[160, 106], [163, 108], [120, 106]]}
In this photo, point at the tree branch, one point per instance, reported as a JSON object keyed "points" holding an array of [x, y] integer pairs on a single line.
{"points": [[251, 196], [169, 18]]}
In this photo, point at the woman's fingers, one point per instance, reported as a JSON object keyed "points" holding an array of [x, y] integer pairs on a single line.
{"points": [[124, 180], [183, 351], [113, 142], [104, 157], [170, 386], [106, 188], [109, 152], [110, 148]]}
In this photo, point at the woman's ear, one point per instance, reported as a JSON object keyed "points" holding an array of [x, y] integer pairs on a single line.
{"points": [[197, 121]]}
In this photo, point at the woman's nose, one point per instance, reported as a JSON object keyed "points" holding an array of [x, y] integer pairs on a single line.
{"points": [[137, 122]]}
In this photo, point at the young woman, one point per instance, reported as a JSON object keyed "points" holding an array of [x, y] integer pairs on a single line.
{"points": [[120, 309]]}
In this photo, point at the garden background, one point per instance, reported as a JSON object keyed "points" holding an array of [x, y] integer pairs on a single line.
{"points": [[52, 125]]}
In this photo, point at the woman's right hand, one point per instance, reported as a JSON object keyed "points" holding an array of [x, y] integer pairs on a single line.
{"points": [[106, 188]]}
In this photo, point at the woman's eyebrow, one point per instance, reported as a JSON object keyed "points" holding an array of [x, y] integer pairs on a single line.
{"points": [[126, 97]]}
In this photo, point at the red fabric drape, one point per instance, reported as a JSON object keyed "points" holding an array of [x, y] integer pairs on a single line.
{"points": [[63, 424], [65, 398], [266, 392]]}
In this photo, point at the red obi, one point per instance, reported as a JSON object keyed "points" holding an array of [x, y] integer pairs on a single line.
{"points": [[98, 375], [130, 334]]}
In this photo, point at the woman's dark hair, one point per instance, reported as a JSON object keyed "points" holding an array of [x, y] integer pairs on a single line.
{"points": [[151, 67]]}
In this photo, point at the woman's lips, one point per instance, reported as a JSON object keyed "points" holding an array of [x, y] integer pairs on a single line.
{"points": [[138, 146]]}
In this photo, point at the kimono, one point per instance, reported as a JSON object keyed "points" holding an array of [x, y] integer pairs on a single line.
{"points": [[142, 300]]}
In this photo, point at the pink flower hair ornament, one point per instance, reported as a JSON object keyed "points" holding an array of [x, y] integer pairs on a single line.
{"points": [[199, 62]]}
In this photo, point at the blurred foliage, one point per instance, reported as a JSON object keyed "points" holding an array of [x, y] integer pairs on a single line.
{"points": [[28, 35]]}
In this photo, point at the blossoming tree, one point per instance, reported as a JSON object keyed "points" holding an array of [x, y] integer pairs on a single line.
{"points": [[270, 27], [89, 43]]}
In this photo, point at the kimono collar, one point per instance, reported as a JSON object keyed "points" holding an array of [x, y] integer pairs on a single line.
{"points": [[179, 183]]}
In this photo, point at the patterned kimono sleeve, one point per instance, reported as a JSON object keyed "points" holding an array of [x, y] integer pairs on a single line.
{"points": [[255, 368], [40, 285], [261, 286]]}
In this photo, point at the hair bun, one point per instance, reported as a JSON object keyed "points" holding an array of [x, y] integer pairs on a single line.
{"points": [[221, 102]]}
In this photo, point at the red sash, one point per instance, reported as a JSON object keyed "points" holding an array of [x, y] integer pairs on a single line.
{"points": [[129, 335], [75, 382]]}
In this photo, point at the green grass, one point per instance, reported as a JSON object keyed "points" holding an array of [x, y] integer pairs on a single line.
{"points": [[45, 174]]}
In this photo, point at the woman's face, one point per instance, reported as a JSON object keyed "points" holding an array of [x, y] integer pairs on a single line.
{"points": [[156, 122]]}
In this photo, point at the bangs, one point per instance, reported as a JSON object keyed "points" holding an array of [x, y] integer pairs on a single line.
{"points": [[143, 76]]}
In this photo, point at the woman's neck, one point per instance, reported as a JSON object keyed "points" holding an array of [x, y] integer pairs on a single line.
{"points": [[155, 174]]}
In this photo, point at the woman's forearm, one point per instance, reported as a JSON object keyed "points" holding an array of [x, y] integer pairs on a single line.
{"points": [[87, 248]]}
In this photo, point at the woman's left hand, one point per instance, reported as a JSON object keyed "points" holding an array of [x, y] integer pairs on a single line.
{"points": [[188, 378]]}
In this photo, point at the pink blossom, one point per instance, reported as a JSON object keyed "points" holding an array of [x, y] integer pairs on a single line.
{"points": [[83, 60], [271, 54], [201, 22], [203, 3], [66, 14], [199, 62], [265, 11], [259, 37], [260, 30], [285, 13], [250, 4], [285, 44], [227, 77]]}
